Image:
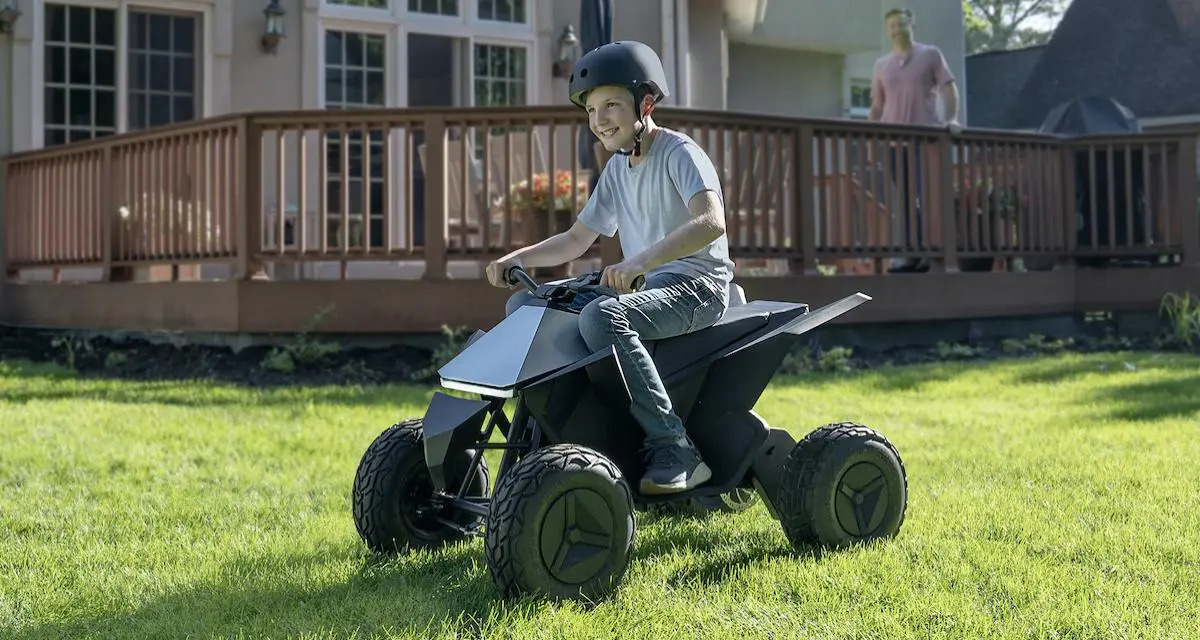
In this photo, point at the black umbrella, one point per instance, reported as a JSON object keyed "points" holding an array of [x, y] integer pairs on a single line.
{"points": [[1091, 114], [595, 29]]}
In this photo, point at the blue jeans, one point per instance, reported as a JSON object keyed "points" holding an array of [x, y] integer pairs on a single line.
{"points": [[669, 305]]}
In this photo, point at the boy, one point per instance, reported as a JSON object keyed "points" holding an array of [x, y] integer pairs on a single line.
{"points": [[661, 191]]}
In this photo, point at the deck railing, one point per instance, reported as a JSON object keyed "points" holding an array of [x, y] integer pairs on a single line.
{"points": [[434, 186]]}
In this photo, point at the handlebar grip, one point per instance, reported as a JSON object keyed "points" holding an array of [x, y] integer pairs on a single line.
{"points": [[515, 274]]}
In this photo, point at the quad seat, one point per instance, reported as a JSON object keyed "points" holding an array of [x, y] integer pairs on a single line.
{"points": [[740, 319]]}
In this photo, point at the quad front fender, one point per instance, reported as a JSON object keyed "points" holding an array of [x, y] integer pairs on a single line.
{"points": [[451, 425]]}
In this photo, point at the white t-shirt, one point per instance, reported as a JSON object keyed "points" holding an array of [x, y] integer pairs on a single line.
{"points": [[649, 201]]}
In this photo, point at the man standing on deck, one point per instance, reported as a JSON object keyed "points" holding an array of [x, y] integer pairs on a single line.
{"points": [[903, 89]]}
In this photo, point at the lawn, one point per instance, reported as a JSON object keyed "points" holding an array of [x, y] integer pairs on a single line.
{"points": [[1049, 498]]}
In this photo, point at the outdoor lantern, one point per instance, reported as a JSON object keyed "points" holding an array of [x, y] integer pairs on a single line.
{"points": [[8, 15], [276, 29], [568, 44]]}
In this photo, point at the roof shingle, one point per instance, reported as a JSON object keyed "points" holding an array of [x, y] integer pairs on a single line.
{"points": [[1144, 54]]}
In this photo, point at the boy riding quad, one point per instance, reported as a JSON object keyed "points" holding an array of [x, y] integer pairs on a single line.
{"points": [[647, 370]]}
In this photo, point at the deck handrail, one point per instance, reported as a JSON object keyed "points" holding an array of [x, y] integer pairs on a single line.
{"points": [[258, 187]]}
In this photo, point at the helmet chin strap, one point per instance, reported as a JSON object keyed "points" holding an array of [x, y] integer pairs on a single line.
{"points": [[637, 136]]}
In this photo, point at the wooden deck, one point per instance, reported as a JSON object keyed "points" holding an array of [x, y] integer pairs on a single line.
{"points": [[254, 223], [409, 306]]}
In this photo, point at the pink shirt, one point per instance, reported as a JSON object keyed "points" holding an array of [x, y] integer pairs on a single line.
{"points": [[906, 86]]}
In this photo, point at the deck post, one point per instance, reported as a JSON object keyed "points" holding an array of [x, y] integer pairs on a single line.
{"points": [[108, 211], [436, 199], [947, 206], [249, 167], [805, 230], [1189, 201], [1067, 222]]}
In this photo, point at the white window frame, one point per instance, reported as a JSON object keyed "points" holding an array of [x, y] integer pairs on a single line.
{"points": [[530, 71], [390, 52], [858, 113], [202, 8], [397, 22]]}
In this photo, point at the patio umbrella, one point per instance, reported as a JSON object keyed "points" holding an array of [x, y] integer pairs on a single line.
{"points": [[1090, 114], [595, 29]]}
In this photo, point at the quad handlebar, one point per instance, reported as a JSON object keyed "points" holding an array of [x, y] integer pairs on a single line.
{"points": [[518, 275]]}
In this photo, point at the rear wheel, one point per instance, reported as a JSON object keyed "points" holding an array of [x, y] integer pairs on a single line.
{"points": [[842, 484], [393, 501]]}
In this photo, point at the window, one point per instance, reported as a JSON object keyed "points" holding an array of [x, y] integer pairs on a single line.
{"points": [[371, 4], [438, 7], [162, 68], [502, 10], [81, 92], [499, 75], [81, 76], [860, 98], [355, 68]]}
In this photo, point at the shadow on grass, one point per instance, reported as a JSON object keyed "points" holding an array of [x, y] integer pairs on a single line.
{"points": [[40, 382], [1152, 400], [267, 597], [898, 378], [448, 591], [715, 555], [1136, 390]]}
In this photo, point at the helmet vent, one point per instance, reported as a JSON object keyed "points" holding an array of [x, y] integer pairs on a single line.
{"points": [[583, 74]]}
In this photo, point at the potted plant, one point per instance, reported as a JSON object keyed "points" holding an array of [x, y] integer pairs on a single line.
{"points": [[549, 200]]}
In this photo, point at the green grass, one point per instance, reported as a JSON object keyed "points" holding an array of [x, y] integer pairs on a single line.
{"points": [[1062, 502]]}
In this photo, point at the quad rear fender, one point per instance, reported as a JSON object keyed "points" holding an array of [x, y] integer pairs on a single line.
{"points": [[767, 468]]}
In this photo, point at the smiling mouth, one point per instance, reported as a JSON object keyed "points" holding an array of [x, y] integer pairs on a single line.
{"points": [[608, 133]]}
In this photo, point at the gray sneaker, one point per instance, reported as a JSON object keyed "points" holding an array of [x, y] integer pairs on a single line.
{"points": [[672, 468]]}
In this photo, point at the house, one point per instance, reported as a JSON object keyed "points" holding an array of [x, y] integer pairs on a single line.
{"points": [[84, 69], [330, 159], [1143, 54], [87, 68]]}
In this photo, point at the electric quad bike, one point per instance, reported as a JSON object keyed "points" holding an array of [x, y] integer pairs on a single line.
{"points": [[561, 520]]}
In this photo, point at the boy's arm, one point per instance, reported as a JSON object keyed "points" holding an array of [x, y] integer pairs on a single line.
{"points": [[707, 224]]}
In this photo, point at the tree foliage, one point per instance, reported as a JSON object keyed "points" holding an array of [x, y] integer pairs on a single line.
{"points": [[995, 25]]}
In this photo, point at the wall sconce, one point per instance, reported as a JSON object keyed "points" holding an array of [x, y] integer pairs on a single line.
{"points": [[568, 45], [8, 15], [276, 29]]}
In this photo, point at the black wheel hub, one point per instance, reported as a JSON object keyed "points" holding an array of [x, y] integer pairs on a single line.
{"points": [[418, 509], [577, 536], [862, 500]]}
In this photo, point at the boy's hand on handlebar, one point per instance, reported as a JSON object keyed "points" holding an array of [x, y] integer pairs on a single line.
{"points": [[496, 271], [623, 276]]}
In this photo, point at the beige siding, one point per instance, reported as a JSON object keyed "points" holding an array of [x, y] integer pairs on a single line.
{"points": [[6, 103], [262, 81], [784, 82], [632, 20], [707, 60]]}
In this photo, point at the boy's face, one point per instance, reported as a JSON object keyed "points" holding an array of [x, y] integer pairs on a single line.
{"points": [[612, 117]]}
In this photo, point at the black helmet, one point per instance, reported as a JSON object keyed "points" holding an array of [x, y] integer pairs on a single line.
{"points": [[623, 63]]}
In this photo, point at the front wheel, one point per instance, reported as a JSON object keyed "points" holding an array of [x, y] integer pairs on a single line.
{"points": [[842, 484], [561, 525], [393, 500]]}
